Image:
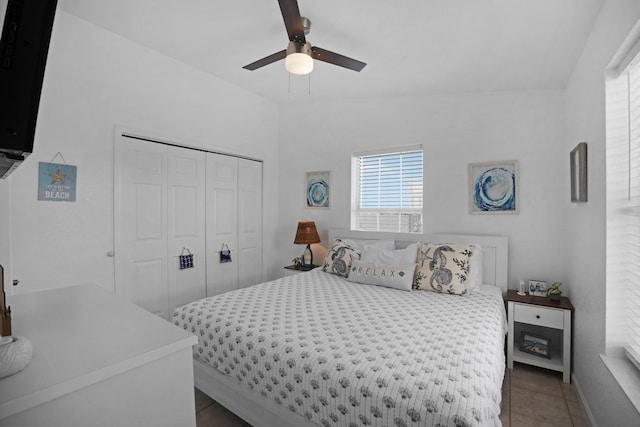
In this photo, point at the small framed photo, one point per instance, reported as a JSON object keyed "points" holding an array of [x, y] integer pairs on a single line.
{"points": [[537, 288], [535, 344]]}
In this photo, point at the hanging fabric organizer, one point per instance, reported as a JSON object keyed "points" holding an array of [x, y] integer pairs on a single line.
{"points": [[225, 253], [186, 260]]}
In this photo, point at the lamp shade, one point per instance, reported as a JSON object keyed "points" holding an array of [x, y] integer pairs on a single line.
{"points": [[306, 233]]}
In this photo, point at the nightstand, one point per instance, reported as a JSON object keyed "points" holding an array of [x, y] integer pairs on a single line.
{"points": [[290, 270], [545, 326]]}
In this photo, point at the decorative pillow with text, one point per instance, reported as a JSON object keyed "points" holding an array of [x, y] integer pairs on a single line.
{"points": [[390, 276]]}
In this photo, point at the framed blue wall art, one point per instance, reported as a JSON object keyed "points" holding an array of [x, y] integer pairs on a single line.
{"points": [[493, 187], [318, 190]]}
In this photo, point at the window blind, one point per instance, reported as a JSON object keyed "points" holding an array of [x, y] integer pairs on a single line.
{"points": [[623, 212], [633, 281], [387, 191]]}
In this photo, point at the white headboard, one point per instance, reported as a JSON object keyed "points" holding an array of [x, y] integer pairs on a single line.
{"points": [[495, 249]]}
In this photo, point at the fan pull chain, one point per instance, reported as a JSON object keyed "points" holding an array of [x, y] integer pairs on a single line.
{"points": [[289, 86]]}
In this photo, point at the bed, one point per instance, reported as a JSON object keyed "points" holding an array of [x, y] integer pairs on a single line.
{"points": [[317, 349]]}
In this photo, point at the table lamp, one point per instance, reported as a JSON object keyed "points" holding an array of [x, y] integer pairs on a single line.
{"points": [[307, 234]]}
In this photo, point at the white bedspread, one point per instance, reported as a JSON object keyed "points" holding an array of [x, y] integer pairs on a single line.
{"points": [[346, 354]]}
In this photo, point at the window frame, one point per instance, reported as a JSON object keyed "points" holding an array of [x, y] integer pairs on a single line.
{"points": [[622, 214], [357, 211]]}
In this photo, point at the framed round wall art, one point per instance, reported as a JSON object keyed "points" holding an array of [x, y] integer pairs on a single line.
{"points": [[493, 187], [318, 190]]}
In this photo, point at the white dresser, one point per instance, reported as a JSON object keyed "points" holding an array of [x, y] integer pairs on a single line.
{"points": [[97, 361]]}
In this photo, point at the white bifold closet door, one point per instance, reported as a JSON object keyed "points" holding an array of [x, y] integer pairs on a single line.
{"points": [[234, 221], [172, 199], [222, 222], [159, 211], [249, 222]]}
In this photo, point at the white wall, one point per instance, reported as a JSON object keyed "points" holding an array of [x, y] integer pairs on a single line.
{"points": [[5, 233], [94, 80], [455, 130], [585, 121]]}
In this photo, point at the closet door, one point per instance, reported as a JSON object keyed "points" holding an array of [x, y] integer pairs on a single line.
{"points": [[186, 224], [222, 222], [159, 210], [249, 222], [141, 274]]}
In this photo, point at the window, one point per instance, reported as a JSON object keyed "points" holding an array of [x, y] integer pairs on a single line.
{"points": [[623, 212], [386, 192]]}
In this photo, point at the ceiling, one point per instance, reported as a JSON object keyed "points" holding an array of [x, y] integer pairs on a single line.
{"points": [[410, 46]]}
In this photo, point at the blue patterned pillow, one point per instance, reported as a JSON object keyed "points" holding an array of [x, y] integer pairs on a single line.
{"points": [[444, 267], [339, 258]]}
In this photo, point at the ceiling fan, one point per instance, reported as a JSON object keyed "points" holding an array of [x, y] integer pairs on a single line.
{"points": [[299, 54]]}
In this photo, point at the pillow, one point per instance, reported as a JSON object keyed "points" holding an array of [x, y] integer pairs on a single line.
{"points": [[476, 273], [491, 290], [390, 276], [444, 267], [378, 255], [339, 257], [359, 244]]}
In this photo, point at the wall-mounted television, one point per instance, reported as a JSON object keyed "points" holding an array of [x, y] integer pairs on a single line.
{"points": [[24, 45]]}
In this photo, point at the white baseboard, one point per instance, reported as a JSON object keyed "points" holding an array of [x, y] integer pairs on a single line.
{"points": [[583, 402]]}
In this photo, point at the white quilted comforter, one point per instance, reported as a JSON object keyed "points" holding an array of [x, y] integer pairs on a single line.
{"points": [[346, 354]]}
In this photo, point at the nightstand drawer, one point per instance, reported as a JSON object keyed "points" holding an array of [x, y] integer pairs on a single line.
{"points": [[536, 315]]}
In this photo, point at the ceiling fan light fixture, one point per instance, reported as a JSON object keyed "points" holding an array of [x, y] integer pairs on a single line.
{"points": [[298, 60]]}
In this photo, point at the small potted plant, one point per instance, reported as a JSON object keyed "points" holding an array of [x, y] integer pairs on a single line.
{"points": [[555, 292]]}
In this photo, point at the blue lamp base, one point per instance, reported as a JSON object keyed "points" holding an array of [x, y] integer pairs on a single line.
{"points": [[307, 257]]}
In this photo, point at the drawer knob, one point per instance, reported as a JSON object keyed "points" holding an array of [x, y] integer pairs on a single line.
{"points": [[537, 316]]}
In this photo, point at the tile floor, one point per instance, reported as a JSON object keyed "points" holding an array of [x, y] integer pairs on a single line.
{"points": [[537, 397], [531, 397]]}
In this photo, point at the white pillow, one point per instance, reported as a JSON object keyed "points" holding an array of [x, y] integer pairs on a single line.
{"points": [[359, 244], [390, 276], [491, 290], [475, 272], [378, 255]]}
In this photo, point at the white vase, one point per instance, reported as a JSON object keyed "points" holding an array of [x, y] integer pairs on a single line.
{"points": [[15, 356]]}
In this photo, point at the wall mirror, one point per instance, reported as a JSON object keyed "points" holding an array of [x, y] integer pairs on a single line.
{"points": [[578, 160]]}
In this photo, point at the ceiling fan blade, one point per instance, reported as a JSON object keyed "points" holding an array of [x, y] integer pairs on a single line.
{"points": [[336, 59], [292, 20], [266, 60]]}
